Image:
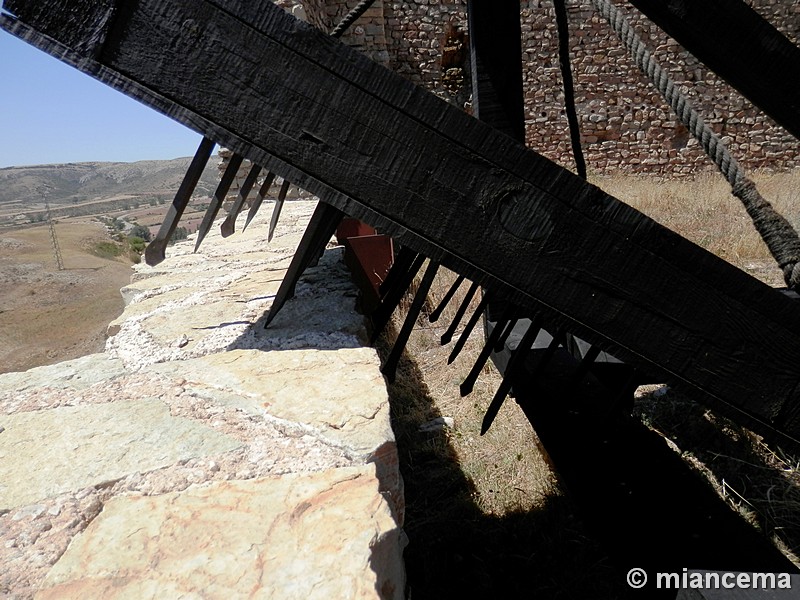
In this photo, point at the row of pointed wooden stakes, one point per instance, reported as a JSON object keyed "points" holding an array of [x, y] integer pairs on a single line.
{"points": [[155, 251], [398, 281]]}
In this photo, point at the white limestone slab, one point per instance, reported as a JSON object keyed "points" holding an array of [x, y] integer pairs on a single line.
{"points": [[45, 453], [313, 536]]}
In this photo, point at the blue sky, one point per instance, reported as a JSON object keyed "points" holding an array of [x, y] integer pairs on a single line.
{"points": [[52, 113]]}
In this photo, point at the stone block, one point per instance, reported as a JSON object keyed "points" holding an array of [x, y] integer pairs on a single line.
{"points": [[311, 536], [209, 457], [49, 452]]}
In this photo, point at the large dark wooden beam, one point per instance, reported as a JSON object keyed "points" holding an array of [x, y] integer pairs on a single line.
{"points": [[495, 42], [251, 77], [495, 46], [740, 46]]}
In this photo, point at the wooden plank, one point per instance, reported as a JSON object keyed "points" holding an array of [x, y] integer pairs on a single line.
{"points": [[495, 42], [447, 185], [740, 46], [495, 46]]}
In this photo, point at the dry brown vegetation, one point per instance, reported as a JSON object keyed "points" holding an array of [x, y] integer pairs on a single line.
{"points": [[485, 516], [703, 210], [47, 315], [503, 480], [489, 510], [762, 483]]}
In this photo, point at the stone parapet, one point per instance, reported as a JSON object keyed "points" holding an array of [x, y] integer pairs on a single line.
{"points": [[202, 455]]}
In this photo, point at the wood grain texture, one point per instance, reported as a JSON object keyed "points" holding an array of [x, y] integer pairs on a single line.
{"points": [[303, 105], [495, 47], [740, 46]]}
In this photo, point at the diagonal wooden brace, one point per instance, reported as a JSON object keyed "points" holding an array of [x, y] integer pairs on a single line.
{"points": [[276, 211], [219, 197], [262, 193], [229, 224], [318, 233]]}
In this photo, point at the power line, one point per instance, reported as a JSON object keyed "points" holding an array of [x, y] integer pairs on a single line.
{"points": [[53, 237]]}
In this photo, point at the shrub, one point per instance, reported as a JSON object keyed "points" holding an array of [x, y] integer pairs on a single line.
{"points": [[136, 244], [181, 233], [140, 231], [106, 249]]}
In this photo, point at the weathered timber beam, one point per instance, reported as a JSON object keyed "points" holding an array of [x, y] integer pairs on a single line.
{"points": [[495, 50], [288, 97], [740, 46], [495, 42]]}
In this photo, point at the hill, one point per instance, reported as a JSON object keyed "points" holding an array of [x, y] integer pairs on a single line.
{"points": [[93, 187]]}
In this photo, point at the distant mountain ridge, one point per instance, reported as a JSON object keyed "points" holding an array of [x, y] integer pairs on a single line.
{"points": [[71, 183]]}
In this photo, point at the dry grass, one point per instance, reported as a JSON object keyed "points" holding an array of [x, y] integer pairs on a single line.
{"points": [[761, 483], [704, 211], [46, 315], [504, 480]]}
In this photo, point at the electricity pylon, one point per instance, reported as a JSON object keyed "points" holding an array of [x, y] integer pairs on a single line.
{"points": [[53, 238]]}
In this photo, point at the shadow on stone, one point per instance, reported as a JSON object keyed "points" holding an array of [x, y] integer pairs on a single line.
{"points": [[455, 550], [321, 315], [221, 325]]}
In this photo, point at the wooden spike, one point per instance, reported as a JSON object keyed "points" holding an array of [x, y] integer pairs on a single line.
{"points": [[501, 341], [437, 312], [516, 362], [382, 314], [559, 339], [229, 224], [276, 212], [491, 345], [462, 309], [389, 368], [318, 233], [473, 320], [402, 262], [224, 185], [156, 250], [262, 193]]}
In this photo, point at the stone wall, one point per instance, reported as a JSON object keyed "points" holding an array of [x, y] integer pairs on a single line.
{"points": [[202, 455], [625, 124]]}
